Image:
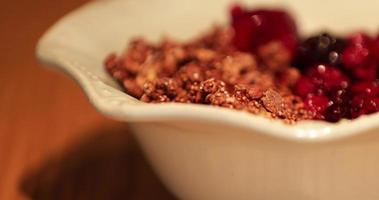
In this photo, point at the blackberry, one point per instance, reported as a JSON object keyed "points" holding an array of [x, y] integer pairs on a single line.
{"points": [[322, 48]]}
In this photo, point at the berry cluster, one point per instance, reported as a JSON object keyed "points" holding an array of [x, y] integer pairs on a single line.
{"points": [[339, 75]]}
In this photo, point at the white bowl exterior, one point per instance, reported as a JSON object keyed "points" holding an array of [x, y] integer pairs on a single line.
{"points": [[204, 161], [204, 152]]}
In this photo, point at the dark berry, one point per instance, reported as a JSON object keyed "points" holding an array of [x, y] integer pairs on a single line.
{"points": [[322, 48], [336, 112], [254, 28], [340, 96]]}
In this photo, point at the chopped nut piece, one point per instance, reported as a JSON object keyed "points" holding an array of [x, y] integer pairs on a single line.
{"points": [[254, 92], [273, 102]]}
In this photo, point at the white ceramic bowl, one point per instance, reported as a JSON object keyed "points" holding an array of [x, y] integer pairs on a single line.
{"points": [[205, 152]]}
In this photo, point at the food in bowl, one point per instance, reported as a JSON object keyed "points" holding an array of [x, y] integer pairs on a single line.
{"points": [[202, 152], [259, 64]]}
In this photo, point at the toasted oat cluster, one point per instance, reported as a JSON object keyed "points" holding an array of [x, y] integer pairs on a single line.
{"points": [[210, 70]]}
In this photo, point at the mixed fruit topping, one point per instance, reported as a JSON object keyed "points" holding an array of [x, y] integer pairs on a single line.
{"points": [[259, 64], [339, 75]]}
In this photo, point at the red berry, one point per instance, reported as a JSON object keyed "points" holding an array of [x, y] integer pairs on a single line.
{"points": [[305, 87], [236, 11], [375, 50], [360, 38], [355, 55], [325, 91], [366, 88], [367, 73], [317, 104], [328, 77], [372, 105], [359, 56], [356, 106], [363, 104], [254, 28]]}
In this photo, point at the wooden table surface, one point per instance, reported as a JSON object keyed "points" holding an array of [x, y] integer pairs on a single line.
{"points": [[53, 144]]}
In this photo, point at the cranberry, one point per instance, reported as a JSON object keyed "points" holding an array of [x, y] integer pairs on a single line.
{"points": [[372, 106], [366, 88], [365, 73], [328, 77], [304, 87], [366, 98], [325, 90], [363, 104], [254, 28], [317, 104], [375, 50]]}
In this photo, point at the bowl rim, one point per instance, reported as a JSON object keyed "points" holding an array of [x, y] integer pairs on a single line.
{"points": [[118, 105]]}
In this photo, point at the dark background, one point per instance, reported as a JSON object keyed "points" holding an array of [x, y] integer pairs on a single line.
{"points": [[53, 143]]}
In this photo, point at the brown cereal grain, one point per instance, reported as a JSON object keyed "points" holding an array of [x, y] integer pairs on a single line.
{"points": [[209, 70]]}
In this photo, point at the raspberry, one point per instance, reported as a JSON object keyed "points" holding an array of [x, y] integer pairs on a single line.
{"points": [[254, 28], [360, 57], [355, 55]]}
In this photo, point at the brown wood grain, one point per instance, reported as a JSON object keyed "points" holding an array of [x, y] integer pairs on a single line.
{"points": [[53, 143]]}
